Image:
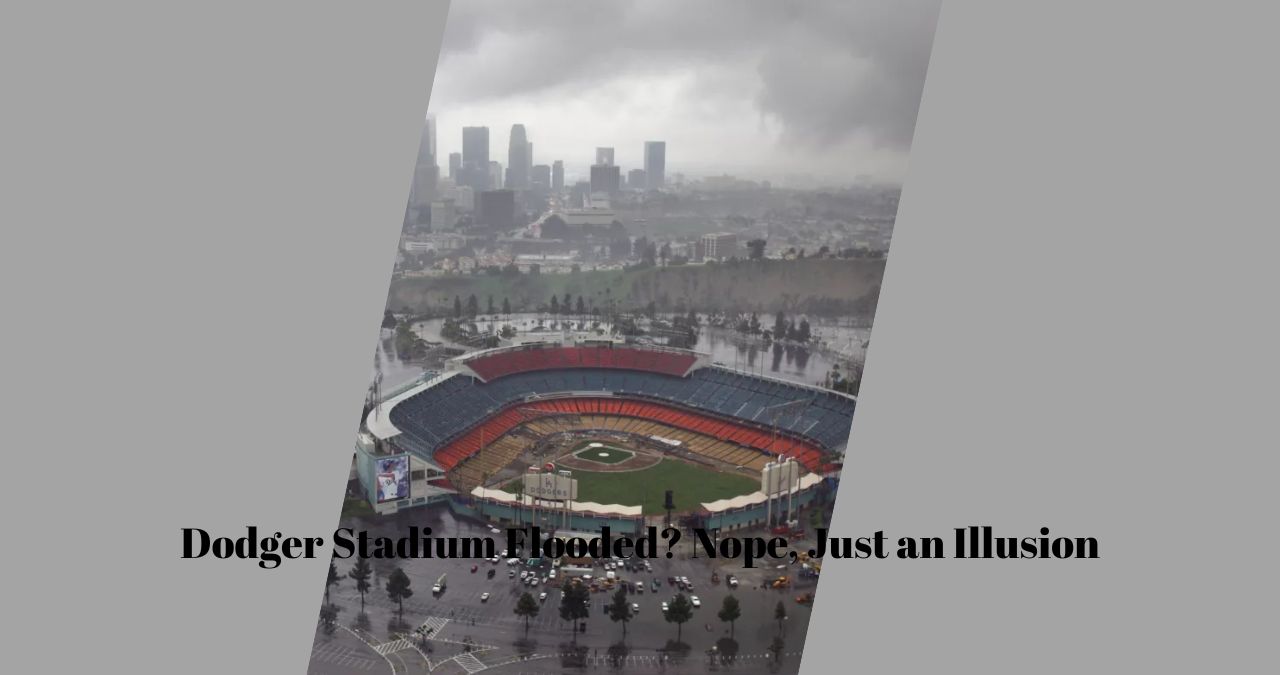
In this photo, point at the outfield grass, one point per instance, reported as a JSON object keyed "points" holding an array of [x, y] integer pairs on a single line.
{"points": [[646, 487]]}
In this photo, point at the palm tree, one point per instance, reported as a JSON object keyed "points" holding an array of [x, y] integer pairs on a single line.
{"points": [[333, 579]]}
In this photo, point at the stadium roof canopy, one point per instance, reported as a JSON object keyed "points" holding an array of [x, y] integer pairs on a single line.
{"points": [[806, 481], [583, 507]]}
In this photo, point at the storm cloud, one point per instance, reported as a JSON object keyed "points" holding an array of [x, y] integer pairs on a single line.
{"points": [[826, 87]]}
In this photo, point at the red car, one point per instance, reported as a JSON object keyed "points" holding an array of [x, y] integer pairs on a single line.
{"points": [[474, 568]]}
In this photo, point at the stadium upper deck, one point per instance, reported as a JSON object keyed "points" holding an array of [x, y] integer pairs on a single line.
{"points": [[485, 384]]}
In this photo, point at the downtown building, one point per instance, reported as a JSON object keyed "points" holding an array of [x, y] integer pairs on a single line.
{"points": [[655, 164]]}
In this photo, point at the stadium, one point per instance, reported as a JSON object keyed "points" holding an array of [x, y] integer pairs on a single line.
{"points": [[583, 434]]}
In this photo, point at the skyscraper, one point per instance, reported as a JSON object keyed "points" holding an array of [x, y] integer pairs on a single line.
{"points": [[655, 164], [426, 173], [604, 156], [475, 146], [557, 175], [475, 158], [540, 176], [518, 157], [605, 178], [636, 179], [495, 175], [455, 165], [496, 209]]}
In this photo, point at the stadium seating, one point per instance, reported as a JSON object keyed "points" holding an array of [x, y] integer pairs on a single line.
{"points": [[731, 416]]}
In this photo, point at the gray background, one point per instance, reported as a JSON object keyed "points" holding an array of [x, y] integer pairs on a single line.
{"points": [[1077, 330]]}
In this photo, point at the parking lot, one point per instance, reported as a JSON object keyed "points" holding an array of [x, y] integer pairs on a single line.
{"points": [[475, 609]]}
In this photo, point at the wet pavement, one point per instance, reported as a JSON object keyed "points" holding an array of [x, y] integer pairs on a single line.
{"points": [[468, 635]]}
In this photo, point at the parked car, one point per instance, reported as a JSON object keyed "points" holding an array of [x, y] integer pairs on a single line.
{"points": [[491, 572], [664, 608], [693, 600], [635, 608], [542, 597], [484, 597]]}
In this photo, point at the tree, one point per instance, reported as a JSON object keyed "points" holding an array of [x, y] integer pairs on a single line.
{"points": [[755, 249], [333, 579], [730, 612], [582, 306], [388, 319], [776, 647], [804, 332], [527, 608], [555, 305], [780, 326], [361, 573], [506, 306], [620, 609], [573, 605], [328, 617], [457, 307], [679, 612], [780, 615], [473, 305], [398, 589], [490, 307]]}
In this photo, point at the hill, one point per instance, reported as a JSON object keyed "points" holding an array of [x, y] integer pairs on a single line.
{"points": [[824, 287]]}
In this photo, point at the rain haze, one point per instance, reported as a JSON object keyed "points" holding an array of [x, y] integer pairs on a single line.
{"points": [[827, 89]]}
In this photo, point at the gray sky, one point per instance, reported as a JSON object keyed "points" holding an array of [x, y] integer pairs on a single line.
{"points": [[751, 88]]}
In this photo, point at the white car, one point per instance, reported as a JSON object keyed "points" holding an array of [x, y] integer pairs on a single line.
{"points": [[484, 597], [664, 608], [494, 530], [551, 574], [693, 600], [512, 561], [533, 581], [542, 597], [610, 575], [524, 574], [435, 588]]}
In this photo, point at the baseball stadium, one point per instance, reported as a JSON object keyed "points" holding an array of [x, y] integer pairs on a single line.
{"points": [[578, 435]]}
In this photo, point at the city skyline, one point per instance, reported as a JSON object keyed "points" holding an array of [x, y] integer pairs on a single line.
{"points": [[832, 94]]}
